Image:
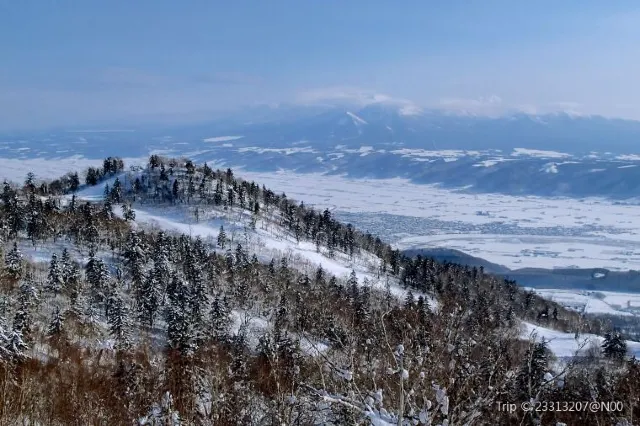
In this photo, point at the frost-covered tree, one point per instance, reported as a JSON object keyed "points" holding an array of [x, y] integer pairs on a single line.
{"points": [[98, 276], [179, 319], [533, 369], [27, 299], [135, 255], [219, 318], [149, 301], [115, 195], [614, 346], [128, 213], [118, 319], [222, 238], [55, 326], [13, 262], [55, 279]]}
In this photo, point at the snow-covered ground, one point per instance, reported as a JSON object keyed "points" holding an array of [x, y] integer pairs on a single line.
{"points": [[542, 232], [594, 302], [14, 169], [516, 232], [267, 241], [565, 345]]}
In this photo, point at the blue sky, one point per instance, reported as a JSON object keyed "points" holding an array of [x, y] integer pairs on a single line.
{"points": [[76, 62]]}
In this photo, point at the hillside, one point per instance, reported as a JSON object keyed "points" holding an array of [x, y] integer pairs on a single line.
{"points": [[180, 294]]}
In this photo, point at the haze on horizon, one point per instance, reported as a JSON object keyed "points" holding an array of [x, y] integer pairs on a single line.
{"points": [[81, 63]]}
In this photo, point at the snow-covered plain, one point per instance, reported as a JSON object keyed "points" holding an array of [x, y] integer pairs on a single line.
{"points": [[516, 232], [594, 302], [15, 169], [223, 138]]}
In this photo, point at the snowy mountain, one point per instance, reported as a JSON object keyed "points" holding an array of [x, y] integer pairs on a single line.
{"points": [[547, 155]]}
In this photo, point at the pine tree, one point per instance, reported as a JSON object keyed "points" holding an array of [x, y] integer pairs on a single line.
{"points": [[135, 254], [535, 365], [13, 262], [149, 302], [115, 195], [97, 275], [222, 238], [128, 213], [178, 317], [56, 324], [27, 298], [55, 279], [409, 301], [118, 320], [220, 320], [74, 182], [614, 346]]}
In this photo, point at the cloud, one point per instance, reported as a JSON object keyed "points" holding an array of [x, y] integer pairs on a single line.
{"points": [[355, 96], [489, 106], [495, 106]]}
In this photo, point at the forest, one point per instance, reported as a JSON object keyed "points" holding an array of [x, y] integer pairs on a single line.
{"points": [[127, 323]]}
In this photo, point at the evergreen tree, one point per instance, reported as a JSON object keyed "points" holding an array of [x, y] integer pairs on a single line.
{"points": [[220, 320], [533, 369], [149, 302], [13, 262], [92, 176], [118, 319], [97, 275], [178, 317], [614, 346], [56, 324], [135, 254], [115, 195], [127, 213], [27, 298], [55, 279], [222, 238], [74, 182]]}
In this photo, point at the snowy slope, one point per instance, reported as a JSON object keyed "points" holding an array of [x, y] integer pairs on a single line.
{"points": [[267, 241], [565, 345]]}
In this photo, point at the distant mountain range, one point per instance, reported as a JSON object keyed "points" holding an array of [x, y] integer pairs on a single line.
{"points": [[547, 155]]}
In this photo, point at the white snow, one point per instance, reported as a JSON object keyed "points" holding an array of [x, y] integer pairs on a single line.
{"points": [[565, 345], [539, 153], [594, 302], [286, 151], [492, 162], [223, 138], [16, 170], [629, 157], [615, 246], [357, 120], [550, 168]]}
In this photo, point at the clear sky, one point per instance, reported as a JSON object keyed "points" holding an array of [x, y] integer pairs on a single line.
{"points": [[74, 62]]}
